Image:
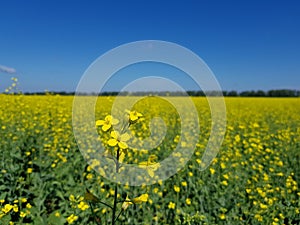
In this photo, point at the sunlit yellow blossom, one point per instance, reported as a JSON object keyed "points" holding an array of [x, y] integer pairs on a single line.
{"points": [[117, 139], [258, 217], [140, 199], [107, 123], [188, 201], [134, 116], [83, 206], [7, 208], [22, 214], [263, 206], [176, 188], [15, 208], [126, 203], [72, 218], [150, 165], [224, 182], [171, 205], [184, 183], [222, 216]]}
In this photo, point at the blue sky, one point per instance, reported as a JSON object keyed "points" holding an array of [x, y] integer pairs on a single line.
{"points": [[249, 45]]}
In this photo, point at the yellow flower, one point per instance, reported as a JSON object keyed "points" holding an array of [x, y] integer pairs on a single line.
{"points": [[22, 214], [138, 200], [134, 116], [184, 183], [15, 208], [258, 217], [72, 198], [226, 176], [171, 205], [141, 199], [150, 165], [89, 176], [118, 139], [263, 206], [126, 203], [223, 166], [188, 201], [224, 182], [107, 122], [72, 218], [222, 216], [176, 188], [83, 206], [29, 170], [7, 208], [248, 190]]}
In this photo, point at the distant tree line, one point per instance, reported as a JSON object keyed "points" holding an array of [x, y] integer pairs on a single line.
{"points": [[258, 93]]}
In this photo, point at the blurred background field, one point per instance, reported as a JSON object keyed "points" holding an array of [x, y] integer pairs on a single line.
{"points": [[254, 179]]}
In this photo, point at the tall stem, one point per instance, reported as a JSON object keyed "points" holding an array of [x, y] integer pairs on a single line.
{"points": [[116, 191]]}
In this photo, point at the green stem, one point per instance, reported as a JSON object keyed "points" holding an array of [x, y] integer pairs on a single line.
{"points": [[113, 222], [119, 214], [93, 213]]}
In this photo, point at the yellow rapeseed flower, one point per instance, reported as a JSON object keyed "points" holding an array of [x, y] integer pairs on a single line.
{"points": [[142, 198], [22, 214], [117, 139], [222, 216], [151, 166], [184, 183], [134, 116], [72, 218], [176, 188], [107, 123], [171, 205], [7, 208], [83, 206], [188, 201]]}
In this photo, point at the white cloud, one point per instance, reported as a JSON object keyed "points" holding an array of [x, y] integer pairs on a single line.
{"points": [[6, 69]]}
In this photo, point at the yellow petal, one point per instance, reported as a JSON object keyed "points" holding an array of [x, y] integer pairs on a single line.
{"points": [[133, 117], [143, 164], [112, 142], [126, 203], [150, 172], [122, 145], [99, 122], [155, 166], [106, 127], [114, 134], [140, 199], [114, 121], [125, 137], [108, 118]]}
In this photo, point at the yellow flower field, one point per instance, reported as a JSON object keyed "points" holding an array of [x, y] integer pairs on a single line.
{"points": [[254, 180]]}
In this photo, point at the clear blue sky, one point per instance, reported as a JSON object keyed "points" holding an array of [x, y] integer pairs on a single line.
{"points": [[247, 44]]}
